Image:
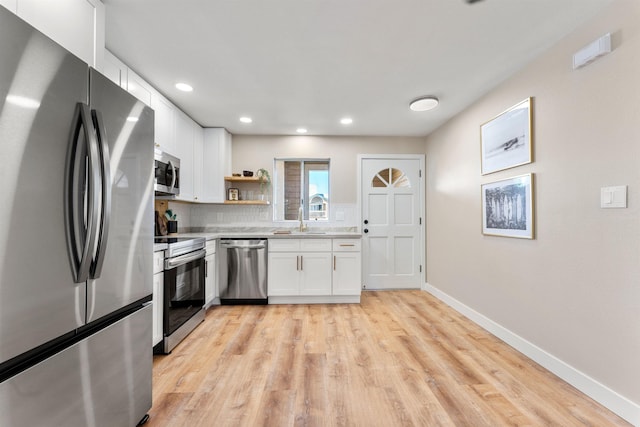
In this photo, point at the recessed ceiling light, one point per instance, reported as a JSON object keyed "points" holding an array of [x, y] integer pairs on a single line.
{"points": [[424, 103], [246, 119], [346, 121], [301, 130], [132, 119], [184, 87]]}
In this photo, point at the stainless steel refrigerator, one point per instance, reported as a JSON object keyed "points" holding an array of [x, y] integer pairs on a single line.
{"points": [[76, 239]]}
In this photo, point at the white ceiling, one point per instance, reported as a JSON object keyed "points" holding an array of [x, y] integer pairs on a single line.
{"points": [[292, 63]]}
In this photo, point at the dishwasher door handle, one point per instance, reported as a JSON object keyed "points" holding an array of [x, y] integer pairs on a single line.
{"points": [[230, 246]]}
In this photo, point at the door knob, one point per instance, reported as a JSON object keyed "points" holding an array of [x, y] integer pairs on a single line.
{"points": [[366, 221], [366, 230]]}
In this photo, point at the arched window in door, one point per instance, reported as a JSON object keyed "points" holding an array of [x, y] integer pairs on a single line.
{"points": [[390, 177]]}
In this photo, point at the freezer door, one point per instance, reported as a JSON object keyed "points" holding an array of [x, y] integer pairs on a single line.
{"points": [[123, 266], [104, 380], [40, 85]]}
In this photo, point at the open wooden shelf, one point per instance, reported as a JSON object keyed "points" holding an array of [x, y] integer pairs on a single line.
{"points": [[243, 179]]}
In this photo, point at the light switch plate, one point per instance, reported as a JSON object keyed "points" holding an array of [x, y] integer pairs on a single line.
{"points": [[613, 197]]}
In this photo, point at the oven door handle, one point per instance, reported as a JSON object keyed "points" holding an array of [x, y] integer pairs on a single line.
{"points": [[183, 259]]}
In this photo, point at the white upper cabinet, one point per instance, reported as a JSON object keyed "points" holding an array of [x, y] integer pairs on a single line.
{"points": [[198, 150], [139, 88], [184, 151], [115, 70], [164, 128], [77, 25], [216, 164], [10, 4]]}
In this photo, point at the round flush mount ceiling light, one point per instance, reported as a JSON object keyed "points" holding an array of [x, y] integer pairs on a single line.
{"points": [[424, 103], [184, 87], [346, 120], [301, 130], [246, 119]]}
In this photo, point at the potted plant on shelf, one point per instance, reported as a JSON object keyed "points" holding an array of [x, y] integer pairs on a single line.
{"points": [[265, 182]]}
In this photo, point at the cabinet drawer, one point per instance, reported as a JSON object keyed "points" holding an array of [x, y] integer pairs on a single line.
{"points": [[346, 245], [284, 245], [211, 247], [299, 245], [158, 262], [315, 245]]}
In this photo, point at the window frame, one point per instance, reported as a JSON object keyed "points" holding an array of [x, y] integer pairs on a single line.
{"points": [[304, 180]]}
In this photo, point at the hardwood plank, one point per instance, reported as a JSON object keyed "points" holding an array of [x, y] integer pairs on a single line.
{"points": [[400, 358]]}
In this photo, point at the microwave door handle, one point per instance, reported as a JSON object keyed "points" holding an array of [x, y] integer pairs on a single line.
{"points": [[80, 224], [105, 215], [173, 175]]}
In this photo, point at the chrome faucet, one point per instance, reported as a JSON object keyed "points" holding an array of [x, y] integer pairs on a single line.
{"points": [[300, 218]]}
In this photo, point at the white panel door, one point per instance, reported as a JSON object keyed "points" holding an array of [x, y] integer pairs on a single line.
{"points": [[391, 196]]}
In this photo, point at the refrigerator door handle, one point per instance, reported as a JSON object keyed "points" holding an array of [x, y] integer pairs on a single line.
{"points": [[80, 210], [105, 163]]}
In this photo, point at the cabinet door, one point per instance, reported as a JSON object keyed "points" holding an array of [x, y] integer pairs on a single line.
{"points": [[216, 164], [158, 296], [210, 279], [347, 278], [316, 273], [10, 4], [164, 124], [70, 23], [284, 274], [198, 141], [115, 69], [139, 88], [184, 151]]}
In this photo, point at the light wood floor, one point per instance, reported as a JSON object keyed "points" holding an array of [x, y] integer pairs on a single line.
{"points": [[400, 358]]}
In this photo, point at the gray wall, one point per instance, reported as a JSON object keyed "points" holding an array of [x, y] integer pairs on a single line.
{"points": [[575, 290]]}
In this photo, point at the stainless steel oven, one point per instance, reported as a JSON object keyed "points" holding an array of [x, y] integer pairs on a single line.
{"points": [[184, 293], [167, 180]]}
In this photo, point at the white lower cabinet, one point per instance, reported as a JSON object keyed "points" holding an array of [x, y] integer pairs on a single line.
{"points": [[309, 270], [284, 277], [211, 275], [315, 273], [158, 295], [304, 273], [347, 267]]}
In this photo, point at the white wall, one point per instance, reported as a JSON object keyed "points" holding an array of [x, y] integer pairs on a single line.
{"points": [[575, 290]]}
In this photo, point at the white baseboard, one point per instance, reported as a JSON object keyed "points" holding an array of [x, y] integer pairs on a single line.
{"points": [[618, 404]]}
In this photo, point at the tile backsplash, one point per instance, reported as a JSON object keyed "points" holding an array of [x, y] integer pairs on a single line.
{"points": [[202, 216]]}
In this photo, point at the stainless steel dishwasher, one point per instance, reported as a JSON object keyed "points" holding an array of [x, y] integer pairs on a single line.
{"points": [[243, 271]]}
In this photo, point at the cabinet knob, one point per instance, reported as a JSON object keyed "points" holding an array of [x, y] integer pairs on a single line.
{"points": [[366, 221], [366, 230]]}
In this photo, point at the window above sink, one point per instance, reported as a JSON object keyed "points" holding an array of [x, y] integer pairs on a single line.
{"points": [[301, 183]]}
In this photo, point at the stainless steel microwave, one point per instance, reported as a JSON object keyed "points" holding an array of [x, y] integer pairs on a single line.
{"points": [[167, 181]]}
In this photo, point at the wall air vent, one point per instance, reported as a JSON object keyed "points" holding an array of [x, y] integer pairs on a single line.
{"points": [[593, 51]]}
